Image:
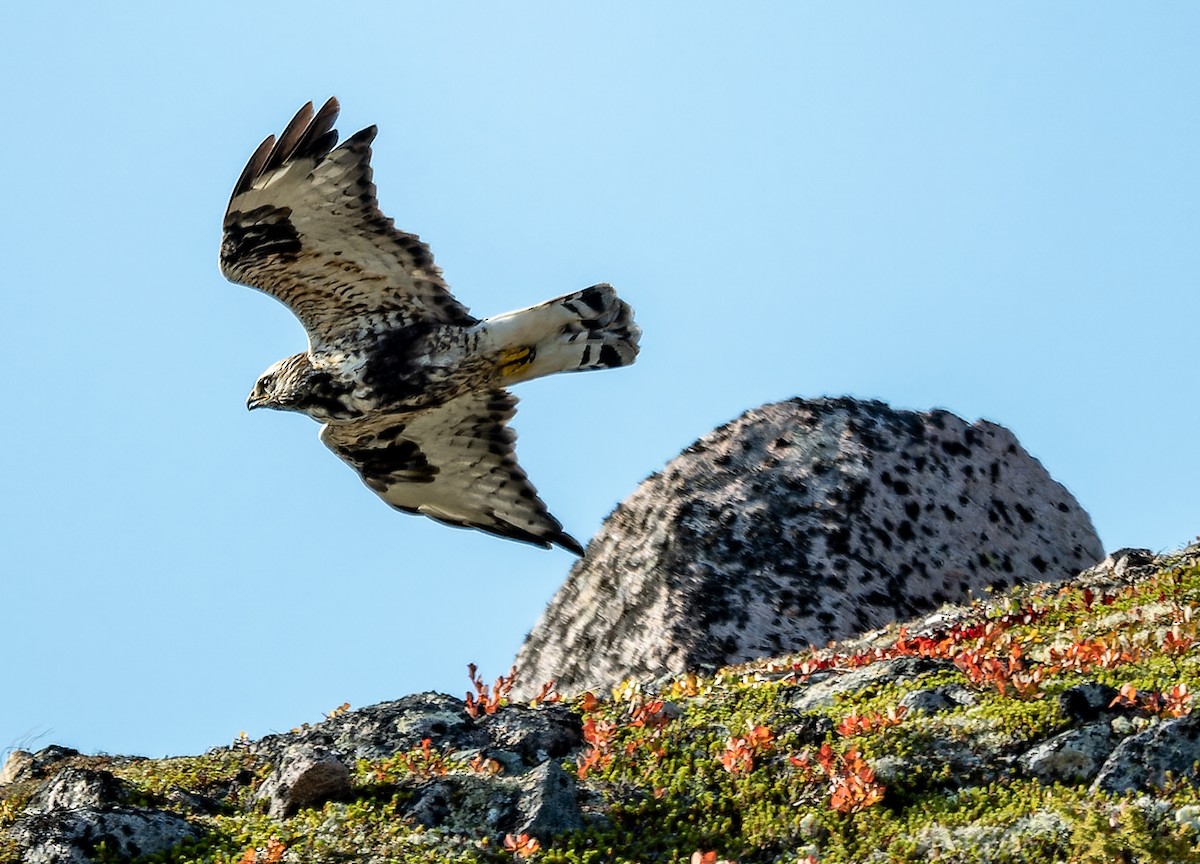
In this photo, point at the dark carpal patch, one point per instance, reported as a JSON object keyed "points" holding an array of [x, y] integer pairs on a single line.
{"points": [[326, 396], [264, 232], [401, 457]]}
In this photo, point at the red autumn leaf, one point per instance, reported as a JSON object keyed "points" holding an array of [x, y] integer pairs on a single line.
{"points": [[1126, 697], [547, 694], [275, 850], [523, 846]]}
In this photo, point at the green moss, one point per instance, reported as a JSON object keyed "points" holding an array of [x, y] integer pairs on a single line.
{"points": [[212, 775], [1124, 831], [9, 853], [13, 799], [1016, 720]]}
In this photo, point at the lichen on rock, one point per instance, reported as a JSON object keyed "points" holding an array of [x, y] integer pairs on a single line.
{"points": [[798, 523]]}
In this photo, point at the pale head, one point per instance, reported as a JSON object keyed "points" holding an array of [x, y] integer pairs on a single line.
{"points": [[284, 386]]}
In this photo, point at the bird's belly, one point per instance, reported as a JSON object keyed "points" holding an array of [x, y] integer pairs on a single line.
{"points": [[423, 386], [408, 377]]}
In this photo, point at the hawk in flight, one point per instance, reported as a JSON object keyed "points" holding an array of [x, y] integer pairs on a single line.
{"points": [[411, 388]]}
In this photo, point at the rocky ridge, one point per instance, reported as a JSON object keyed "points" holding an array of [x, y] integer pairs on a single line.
{"points": [[1047, 723]]}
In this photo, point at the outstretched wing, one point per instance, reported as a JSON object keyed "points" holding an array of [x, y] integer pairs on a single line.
{"points": [[455, 463], [303, 225]]}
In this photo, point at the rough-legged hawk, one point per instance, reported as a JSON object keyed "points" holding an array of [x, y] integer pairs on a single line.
{"points": [[410, 386]]}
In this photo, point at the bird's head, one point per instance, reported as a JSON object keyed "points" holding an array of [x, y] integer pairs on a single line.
{"points": [[283, 386]]}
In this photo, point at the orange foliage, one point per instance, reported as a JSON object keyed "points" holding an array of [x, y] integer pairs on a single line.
{"points": [[1175, 702], [599, 736], [487, 700], [859, 724], [988, 655], [710, 857], [422, 762], [547, 694], [740, 750], [523, 846], [649, 715], [1179, 641], [1085, 654], [480, 765], [852, 785], [272, 853]]}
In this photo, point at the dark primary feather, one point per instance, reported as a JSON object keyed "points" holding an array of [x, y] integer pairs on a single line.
{"points": [[455, 462], [306, 137], [304, 226], [254, 167]]}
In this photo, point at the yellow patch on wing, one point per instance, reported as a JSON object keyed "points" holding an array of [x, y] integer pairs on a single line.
{"points": [[515, 360]]}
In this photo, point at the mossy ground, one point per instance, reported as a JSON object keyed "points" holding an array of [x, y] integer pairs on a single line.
{"points": [[729, 764]]}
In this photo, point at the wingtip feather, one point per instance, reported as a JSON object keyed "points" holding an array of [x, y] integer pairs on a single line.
{"points": [[254, 166], [292, 134], [566, 541], [309, 135]]}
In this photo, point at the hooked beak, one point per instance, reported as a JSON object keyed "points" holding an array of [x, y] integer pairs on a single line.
{"points": [[254, 402]]}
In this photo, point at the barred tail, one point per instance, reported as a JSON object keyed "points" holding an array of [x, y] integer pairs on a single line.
{"points": [[590, 329]]}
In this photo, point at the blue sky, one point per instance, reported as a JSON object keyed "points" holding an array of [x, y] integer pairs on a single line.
{"points": [[991, 208]]}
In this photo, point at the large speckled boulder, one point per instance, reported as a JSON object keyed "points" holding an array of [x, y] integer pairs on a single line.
{"points": [[798, 523]]}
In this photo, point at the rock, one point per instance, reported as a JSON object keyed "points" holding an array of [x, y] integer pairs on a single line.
{"points": [[77, 809], [1127, 560], [518, 736], [938, 699], [1087, 702], [380, 730], [77, 789], [17, 767], [80, 805], [798, 523], [23, 765], [430, 807], [305, 777], [1189, 815], [190, 802], [549, 732], [74, 836], [549, 805], [526, 735], [310, 764], [987, 843], [964, 761], [822, 693], [541, 802], [955, 771], [1141, 761], [1074, 756]]}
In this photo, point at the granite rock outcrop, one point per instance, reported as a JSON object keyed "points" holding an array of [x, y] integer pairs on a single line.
{"points": [[798, 523]]}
